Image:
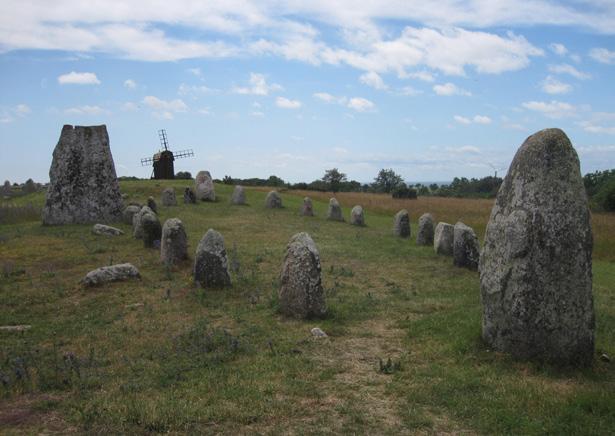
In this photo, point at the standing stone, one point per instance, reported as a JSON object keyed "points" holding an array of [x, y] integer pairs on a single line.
{"points": [[334, 212], [174, 242], [443, 239], [301, 294], [466, 250], [306, 208], [152, 230], [401, 224], [204, 186], [239, 196], [137, 222], [536, 264], [151, 203], [83, 185], [168, 197], [6, 188], [424, 236], [129, 213], [273, 200], [189, 196], [210, 262], [357, 218]]}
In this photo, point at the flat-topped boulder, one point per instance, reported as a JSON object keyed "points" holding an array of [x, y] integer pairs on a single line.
{"points": [[334, 211], [239, 196], [444, 236], [168, 197], [113, 273], [204, 186], [466, 250], [401, 224], [129, 212], [425, 233]]}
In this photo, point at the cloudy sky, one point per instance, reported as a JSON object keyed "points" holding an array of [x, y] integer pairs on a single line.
{"points": [[292, 88]]}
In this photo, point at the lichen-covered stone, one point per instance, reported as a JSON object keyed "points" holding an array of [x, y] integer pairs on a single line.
{"points": [[189, 196], [168, 197], [536, 263], [152, 230], [307, 209], [102, 229], [130, 212], [424, 235], [137, 224], [211, 262], [401, 224], [239, 196], [273, 200], [204, 186], [301, 294], [113, 273], [83, 184], [466, 250], [151, 203], [174, 242], [444, 237], [334, 211], [357, 217]]}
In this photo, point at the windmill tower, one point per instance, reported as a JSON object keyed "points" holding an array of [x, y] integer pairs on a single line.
{"points": [[162, 161]]}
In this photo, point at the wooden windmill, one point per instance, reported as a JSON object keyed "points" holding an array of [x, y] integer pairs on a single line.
{"points": [[163, 160]]}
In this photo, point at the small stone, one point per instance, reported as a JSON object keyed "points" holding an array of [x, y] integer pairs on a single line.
{"points": [[443, 239], [211, 262], [465, 247], [102, 229], [605, 357], [239, 196], [318, 333], [15, 328], [168, 197], [424, 236], [129, 213], [174, 242], [357, 217], [189, 196], [111, 273], [273, 200], [334, 212], [137, 221], [151, 203], [152, 230], [204, 186], [401, 224], [306, 208]]}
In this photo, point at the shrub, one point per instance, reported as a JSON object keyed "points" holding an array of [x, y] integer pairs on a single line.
{"points": [[404, 192], [605, 198]]}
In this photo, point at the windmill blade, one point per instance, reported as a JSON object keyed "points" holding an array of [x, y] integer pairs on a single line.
{"points": [[183, 153], [146, 161]]}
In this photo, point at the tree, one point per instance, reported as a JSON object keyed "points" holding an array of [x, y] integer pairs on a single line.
{"points": [[228, 180], [333, 178], [387, 181], [183, 175]]}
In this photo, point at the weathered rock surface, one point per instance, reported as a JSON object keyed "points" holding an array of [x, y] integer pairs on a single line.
{"points": [[83, 184], [151, 203], [334, 211], [189, 196], [443, 239], [137, 224], [239, 196], [466, 250], [301, 294], [317, 332], [152, 230], [102, 229], [204, 187], [168, 197], [6, 189], [536, 264], [424, 235], [113, 273], [357, 218], [401, 224], [306, 208], [174, 242], [211, 262], [273, 200], [130, 212]]}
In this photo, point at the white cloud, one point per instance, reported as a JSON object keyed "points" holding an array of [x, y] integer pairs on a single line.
{"points": [[165, 109], [462, 120], [425, 76], [448, 89], [286, 103], [477, 119], [130, 84], [75, 78], [205, 111], [600, 122], [258, 86], [559, 49], [360, 104], [603, 55], [410, 91], [22, 110], [195, 72], [130, 106], [86, 110], [554, 109], [569, 69], [466, 149], [553, 86], [257, 114], [328, 98], [7, 114], [194, 90], [374, 80]]}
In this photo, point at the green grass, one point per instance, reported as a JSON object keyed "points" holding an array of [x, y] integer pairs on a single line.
{"points": [[160, 355]]}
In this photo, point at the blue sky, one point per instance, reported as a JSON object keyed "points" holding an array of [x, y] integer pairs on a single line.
{"points": [[294, 88]]}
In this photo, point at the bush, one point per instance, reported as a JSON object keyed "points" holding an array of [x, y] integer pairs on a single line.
{"points": [[183, 175], [605, 198], [404, 192]]}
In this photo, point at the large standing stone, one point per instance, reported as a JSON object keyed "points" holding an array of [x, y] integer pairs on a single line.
{"points": [[239, 196], [210, 262], [152, 230], [357, 217], [301, 294], [401, 224], [189, 196], [273, 200], [306, 208], [334, 212], [83, 185], [174, 242], [130, 212], [466, 250], [536, 264], [168, 197], [151, 203], [444, 238], [113, 273], [204, 186], [424, 235], [137, 221]]}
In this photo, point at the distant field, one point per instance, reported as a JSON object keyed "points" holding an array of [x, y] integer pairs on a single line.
{"points": [[159, 355]]}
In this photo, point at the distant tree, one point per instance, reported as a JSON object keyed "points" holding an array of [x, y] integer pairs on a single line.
{"points": [[433, 187], [333, 178], [29, 187], [605, 198], [275, 181], [387, 181], [183, 175], [228, 180], [402, 191]]}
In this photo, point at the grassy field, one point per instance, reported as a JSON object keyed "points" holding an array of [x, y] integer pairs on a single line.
{"points": [[159, 355]]}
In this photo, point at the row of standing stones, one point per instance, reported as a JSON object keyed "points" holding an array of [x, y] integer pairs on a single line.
{"points": [[535, 266]]}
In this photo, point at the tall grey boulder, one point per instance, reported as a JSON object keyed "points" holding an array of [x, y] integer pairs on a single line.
{"points": [[401, 224], [168, 197], [239, 196], [83, 185], [6, 188], [152, 230], [536, 264], [466, 250], [306, 208], [130, 212], [443, 239], [174, 242], [211, 262], [357, 218], [424, 235], [301, 294], [189, 196], [273, 200], [204, 186], [334, 212], [137, 221]]}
